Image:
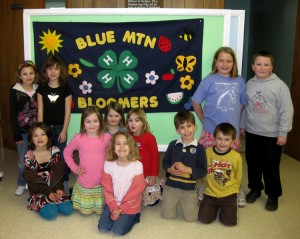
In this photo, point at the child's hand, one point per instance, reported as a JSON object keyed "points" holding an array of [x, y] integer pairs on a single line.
{"points": [[242, 133], [174, 170], [281, 140], [59, 193], [53, 197], [181, 168], [62, 137], [115, 215], [80, 171], [151, 180]]}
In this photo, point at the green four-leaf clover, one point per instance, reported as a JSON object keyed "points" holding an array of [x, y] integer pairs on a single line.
{"points": [[117, 71]]}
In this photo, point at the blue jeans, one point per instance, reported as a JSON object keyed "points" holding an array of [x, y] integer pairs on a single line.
{"points": [[22, 150], [121, 226], [56, 129]]}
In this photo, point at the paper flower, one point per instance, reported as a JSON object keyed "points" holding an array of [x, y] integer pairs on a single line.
{"points": [[151, 77], [74, 70], [186, 82], [86, 87]]}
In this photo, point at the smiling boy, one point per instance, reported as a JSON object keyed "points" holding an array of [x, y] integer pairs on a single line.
{"points": [[223, 179]]}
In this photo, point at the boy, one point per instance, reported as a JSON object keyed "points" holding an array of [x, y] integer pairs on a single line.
{"points": [[223, 179], [268, 118], [184, 162]]}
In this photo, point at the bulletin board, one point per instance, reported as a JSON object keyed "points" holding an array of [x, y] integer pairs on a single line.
{"points": [[221, 28]]}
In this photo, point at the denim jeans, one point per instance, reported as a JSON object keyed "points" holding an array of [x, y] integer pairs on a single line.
{"points": [[22, 150], [56, 129], [121, 226]]}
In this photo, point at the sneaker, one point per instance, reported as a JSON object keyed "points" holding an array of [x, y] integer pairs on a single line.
{"points": [[252, 196], [241, 199], [20, 190], [272, 204], [241, 202]]}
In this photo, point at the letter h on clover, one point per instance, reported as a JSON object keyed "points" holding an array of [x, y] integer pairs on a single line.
{"points": [[117, 72]]}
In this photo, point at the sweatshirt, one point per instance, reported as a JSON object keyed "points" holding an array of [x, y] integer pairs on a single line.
{"points": [[269, 111]]}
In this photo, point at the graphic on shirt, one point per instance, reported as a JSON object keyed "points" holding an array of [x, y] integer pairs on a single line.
{"points": [[53, 98], [258, 103], [229, 96], [221, 171]]}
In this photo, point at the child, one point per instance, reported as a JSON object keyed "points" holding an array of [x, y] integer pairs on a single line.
{"points": [[23, 113], [224, 93], [140, 130], [91, 144], [114, 118], [223, 179], [123, 184], [44, 170], [54, 102], [184, 162], [268, 119]]}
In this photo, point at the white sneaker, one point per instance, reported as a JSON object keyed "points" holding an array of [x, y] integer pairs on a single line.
{"points": [[20, 190]]}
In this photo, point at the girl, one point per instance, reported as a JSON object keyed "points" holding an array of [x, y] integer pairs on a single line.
{"points": [[91, 144], [140, 130], [123, 184], [114, 118], [54, 102], [44, 170], [23, 113], [224, 93]]}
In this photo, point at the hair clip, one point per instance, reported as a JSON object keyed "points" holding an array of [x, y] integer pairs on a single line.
{"points": [[24, 63]]}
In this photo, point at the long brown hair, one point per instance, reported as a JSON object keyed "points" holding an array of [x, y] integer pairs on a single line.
{"points": [[52, 61]]}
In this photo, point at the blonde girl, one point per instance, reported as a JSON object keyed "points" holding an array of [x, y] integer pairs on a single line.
{"points": [[123, 184], [139, 128]]}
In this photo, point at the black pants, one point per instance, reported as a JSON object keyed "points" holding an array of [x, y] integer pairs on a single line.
{"points": [[263, 159]]}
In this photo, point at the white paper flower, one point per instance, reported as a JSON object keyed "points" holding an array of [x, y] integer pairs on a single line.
{"points": [[86, 87], [151, 77]]}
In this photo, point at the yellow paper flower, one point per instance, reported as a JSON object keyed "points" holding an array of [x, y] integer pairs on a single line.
{"points": [[186, 82], [74, 70]]}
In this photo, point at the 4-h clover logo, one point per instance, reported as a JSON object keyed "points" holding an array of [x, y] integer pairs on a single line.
{"points": [[120, 72]]}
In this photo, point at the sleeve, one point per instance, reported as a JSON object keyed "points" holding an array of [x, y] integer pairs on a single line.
{"points": [[200, 170], [69, 151], [285, 110], [238, 169], [134, 194], [153, 155], [243, 97], [201, 92], [57, 170], [167, 159], [36, 184], [14, 116], [108, 191], [67, 90]]}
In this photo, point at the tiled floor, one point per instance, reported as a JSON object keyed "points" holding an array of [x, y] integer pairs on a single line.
{"points": [[254, 221]]}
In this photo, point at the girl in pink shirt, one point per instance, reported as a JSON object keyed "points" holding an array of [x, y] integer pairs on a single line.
{"points": [[91, 145], [123, 184]]}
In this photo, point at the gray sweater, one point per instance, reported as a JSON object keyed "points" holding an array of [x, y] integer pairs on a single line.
{"points": [[269, 110]]}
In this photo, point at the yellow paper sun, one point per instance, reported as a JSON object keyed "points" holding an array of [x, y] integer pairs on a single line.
{"points": [[50, 41]]}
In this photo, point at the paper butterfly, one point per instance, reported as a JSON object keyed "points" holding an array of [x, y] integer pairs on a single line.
{"points": [[53, 98], [185, 63]]}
